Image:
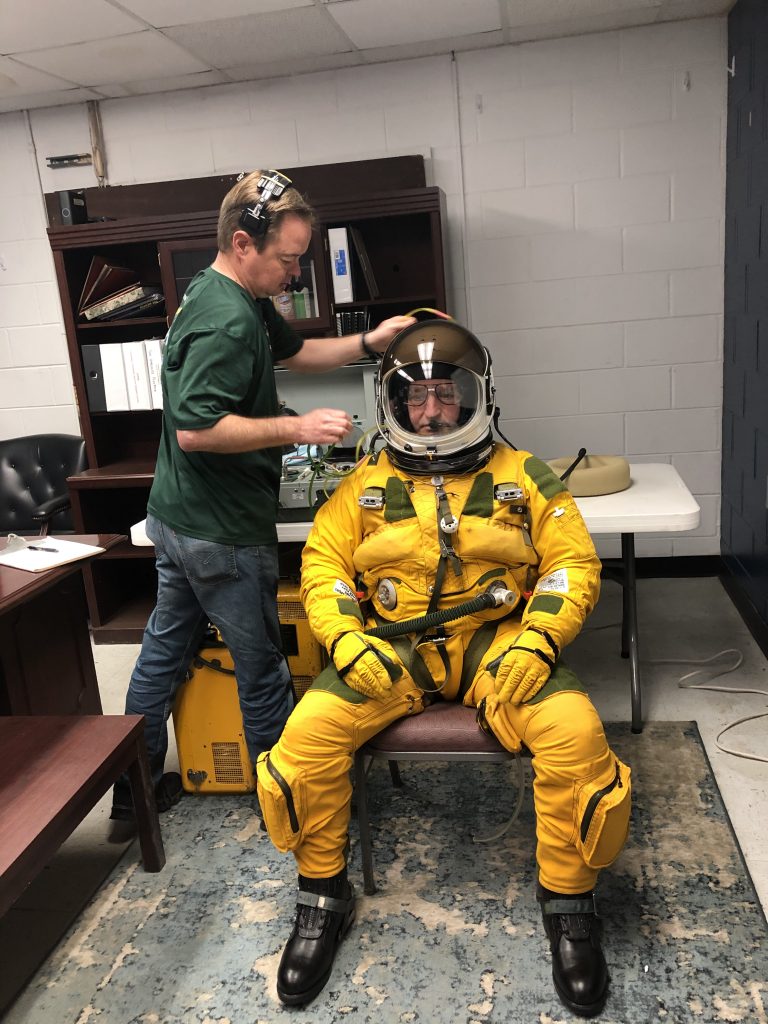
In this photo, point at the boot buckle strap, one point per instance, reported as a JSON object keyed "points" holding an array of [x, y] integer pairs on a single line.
{"points": [[313, 899], [585, 906]]}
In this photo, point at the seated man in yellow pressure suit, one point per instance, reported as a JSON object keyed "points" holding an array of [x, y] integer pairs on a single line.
{"points": [[439, 516]]}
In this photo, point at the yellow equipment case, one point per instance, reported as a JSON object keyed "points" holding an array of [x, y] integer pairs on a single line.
{"points": [[213, 754]]}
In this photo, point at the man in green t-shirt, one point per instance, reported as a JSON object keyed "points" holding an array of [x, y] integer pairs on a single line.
{"points": [[213, 505]]}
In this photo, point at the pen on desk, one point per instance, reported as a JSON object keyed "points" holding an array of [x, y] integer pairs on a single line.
{"points": [[34, 547]]}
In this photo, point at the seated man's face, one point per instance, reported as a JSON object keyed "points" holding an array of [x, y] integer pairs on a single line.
{"points": [[433, 406]]}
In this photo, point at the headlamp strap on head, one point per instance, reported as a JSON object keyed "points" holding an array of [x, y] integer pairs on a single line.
{"points": [[271, 184]]}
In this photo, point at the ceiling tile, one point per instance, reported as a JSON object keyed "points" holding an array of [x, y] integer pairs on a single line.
{"points": [[299, 66], [32, 101], [539, 12], [16, 78], [125, 59], [583, 26], [305, 32], [162, 13], [57, 23], [431, 48], [370, 23]]}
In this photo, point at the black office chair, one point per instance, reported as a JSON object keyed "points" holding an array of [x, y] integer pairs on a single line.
{"points": [[33, 482]]}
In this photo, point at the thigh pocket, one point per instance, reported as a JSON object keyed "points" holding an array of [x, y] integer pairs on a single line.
{"points": [[283, 804], [602, 818], [207, 562]]}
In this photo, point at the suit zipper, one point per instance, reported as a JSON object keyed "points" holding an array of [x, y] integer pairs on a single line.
{"points": [[594, 800], [286, 790]]}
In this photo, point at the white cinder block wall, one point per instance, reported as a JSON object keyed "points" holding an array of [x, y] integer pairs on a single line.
{"points": [[586, 193]]}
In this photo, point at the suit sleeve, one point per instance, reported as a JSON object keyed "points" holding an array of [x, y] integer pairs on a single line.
{"points": [[568, 583], [327, 568]]}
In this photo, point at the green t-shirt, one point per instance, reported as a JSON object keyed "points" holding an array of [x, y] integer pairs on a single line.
{"points": [[219, 359]]}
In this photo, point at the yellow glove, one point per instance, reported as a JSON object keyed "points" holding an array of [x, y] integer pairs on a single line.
{"points": [[366, 663], [526, 667]]}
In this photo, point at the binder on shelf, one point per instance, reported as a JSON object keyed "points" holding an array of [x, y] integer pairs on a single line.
{"points": [[136, 375], [104, 374], [153, 348], [149, 305], [365, 263], [341, 272], [104, 279], [123, 303]]}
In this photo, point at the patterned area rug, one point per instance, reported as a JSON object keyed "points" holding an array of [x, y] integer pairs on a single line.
{"points": [[454, 933]]}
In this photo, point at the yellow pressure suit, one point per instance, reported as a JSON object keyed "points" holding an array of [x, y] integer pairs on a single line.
{"points": [[377, 551]]}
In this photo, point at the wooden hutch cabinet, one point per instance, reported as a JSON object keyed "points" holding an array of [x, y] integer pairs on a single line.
{"points": [[403, 242]]}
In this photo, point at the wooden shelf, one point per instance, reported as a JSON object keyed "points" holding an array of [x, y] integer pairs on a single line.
{"points": [[126, 626], [136, 321]]}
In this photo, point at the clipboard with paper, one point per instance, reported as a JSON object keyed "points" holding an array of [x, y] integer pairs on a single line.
{"points": [[36, 554]]}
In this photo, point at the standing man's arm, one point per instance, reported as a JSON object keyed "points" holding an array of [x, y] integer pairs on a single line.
{"points": [[243, 434], [319, 354]]}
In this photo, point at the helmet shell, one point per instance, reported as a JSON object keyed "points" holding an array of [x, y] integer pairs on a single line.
{"points": [[437, 350]]}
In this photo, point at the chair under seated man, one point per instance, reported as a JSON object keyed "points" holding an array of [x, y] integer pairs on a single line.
{"points": [[445, 731], [34, 497]]}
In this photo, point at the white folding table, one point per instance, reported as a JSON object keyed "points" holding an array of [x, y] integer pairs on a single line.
{"points": [[656, 501]]}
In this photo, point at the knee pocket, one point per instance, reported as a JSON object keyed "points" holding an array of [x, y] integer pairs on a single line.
{"points": [[601, 817], [282, 797]]}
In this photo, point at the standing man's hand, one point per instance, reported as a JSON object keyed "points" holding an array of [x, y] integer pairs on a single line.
{"points": [[379, 337], [322, 426]]}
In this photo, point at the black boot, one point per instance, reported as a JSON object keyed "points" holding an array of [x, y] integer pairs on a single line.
{"points": [[168, 792], [325, 912], [578, 965]]}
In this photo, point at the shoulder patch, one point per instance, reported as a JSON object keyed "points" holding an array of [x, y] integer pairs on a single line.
{"points": [[397, 501], [480, 499], [544, 477]]}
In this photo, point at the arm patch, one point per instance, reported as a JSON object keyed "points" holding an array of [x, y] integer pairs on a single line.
{"points": [[549, 603], [544, 477]]}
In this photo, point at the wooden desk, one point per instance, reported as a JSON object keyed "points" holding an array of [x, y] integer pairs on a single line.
{"points": [[46, 660], [56, 769]]}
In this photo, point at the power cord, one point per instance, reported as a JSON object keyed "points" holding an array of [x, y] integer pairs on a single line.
{"points": [[493, 836], [683, 684]]}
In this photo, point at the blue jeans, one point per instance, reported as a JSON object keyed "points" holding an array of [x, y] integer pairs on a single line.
{"points": [[235, 588]]}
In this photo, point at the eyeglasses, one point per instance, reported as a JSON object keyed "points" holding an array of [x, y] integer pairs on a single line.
{"points": [[417, 394]]}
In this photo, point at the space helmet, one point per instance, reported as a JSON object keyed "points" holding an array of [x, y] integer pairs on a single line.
{"points": [[434, 399]]}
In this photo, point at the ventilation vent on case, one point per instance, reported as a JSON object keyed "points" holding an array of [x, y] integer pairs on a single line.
{"points": [[227, 764], [301, 684], [290, 610]]}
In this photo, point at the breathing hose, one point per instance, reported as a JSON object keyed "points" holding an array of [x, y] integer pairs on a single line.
{"points": [[490, 599]]}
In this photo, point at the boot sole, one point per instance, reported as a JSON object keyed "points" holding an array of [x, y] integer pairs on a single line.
{"points": [[299, 998]]}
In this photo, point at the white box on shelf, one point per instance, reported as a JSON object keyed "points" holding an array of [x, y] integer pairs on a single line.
{"points": [[341, 271]]}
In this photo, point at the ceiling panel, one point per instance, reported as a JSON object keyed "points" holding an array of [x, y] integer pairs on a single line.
{"points": [[188, 12], [56, 98], [539, 12], [302, 32], [371, 23], [16, 78], [38, 24], [124, 59]]}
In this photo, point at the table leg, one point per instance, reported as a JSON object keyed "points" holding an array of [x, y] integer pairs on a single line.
{"points": [[148, 826], [629, 645]]}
